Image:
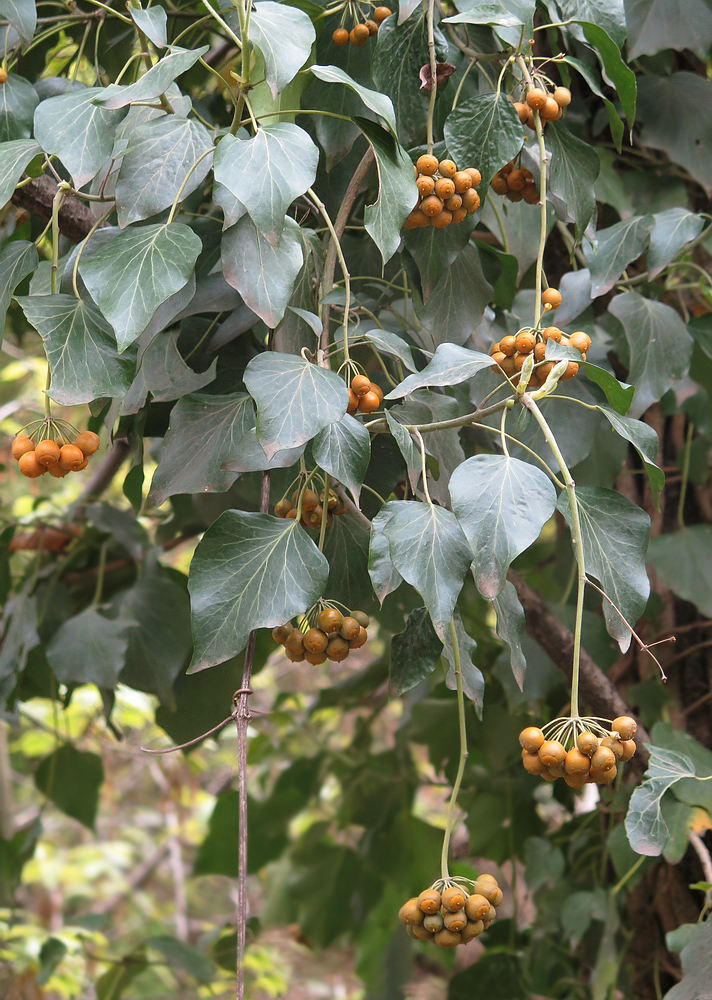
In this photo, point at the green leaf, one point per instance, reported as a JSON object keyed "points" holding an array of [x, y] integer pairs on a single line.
{"points": [[618, 246], [14, 855], [80, 348], [494, 12], [204, 433], [607, 14], [274, 381], [157, 163], [445, 447], [119, 977], [473, 682], [683, 561], [484, 132], [400, 51], [573, 171], [18, 100], [346, 550], [17, 259], [660, 346], [14, 157], [343, 449], [380, 104], [390, 343], [397, 193], [154, 82], [696, 959], [450, 365], [674, 228], [677, 115], [619, 394], [130, 275], [500, 976], [384, 576], [263, 275], [180, 955], [250, 456], [430, 552], [89, 649], [159, 640], [121, 525], [615, 543], [51, 954], [73, 128], [22, 15], [163, 373], [18, 628], [645, 441], [667, 24], [71, 779], [406, 446], [510, 627], [457, 303], [644, 824], [434, 251], [501, 504], [336, 874], [594, 84], [152, 22], [414, 652], [621, 76], [284, 35], [249, 571], [267, 172]]}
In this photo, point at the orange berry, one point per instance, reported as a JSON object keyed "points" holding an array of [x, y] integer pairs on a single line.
{"points": [[474, 174], [454, 204], [340, 36], [315, 641], [3, 75], [442, 219], [551, 297], [445, 188], [425, 185], [531, 738], [462, 181], [522, 111], [530, 194], [353, 402], [471, 201], [315, 658], [47, 452], [625, 727], [552, 333], [56, 470], [571, 371], [70, 457], [381, 13], [562, 96], [536, 98], [21, 445], [361, 385], [360, 639], [551, 753], [551, 110], [427, 164], [499, 184], [358, 35], [581, 341], [508, 345], [88, 441], [459, 214], [516, 180], [431, 206], [531, 763], [29, 466], [447, 168], [525, 342], [280, 633], [372, 27], [337, 649]]}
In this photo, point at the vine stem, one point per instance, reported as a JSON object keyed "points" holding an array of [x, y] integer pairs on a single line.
{"points": [[444, 871], [521, 62], [181, 189], [424, 466], [433, 73], [577, 537], [342, 263]]}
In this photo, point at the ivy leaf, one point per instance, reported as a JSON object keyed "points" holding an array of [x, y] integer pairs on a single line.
{"points": [[457, 303], [14, 157], [180, 955], [615, 543], [346, 549], [130, 275], [284, 35], [696, 958], [275, 381], [450, 365], [620, 75], [390, 343], [619, 394], [18, 100], [397, 193], [617, 247], [72, 127], [152, 22], [250, 456], [434, 251], [494, 12], [660, 346], [414, 652], [89, 649], [445, 447], [384, 576], [163, 373], [644, 824], [71, 779], [667, 24], [22, 15], [17, 259], [645, 441], [80, 347], [263, 275], [249, 571], [674, 229], [267, 172], [683, 561], [485, 132], [473, 682], [430, 552], [501, 504], [156, 164], [343, 449], [407, 448], [574, 168], [380, 104], [510, 627], [400, 51], [594, 84], [608, 15], [154, 82]]}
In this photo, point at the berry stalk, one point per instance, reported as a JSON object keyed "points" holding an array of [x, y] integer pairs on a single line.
{"points": [[433, 73], [444, 871]]}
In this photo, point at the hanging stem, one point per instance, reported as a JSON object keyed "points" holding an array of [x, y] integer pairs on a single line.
{"points": [[444, 872], [577, 538], [433, 73], [181, 189], [100, 575], [685, 477], [542, 197], [421, 443], [342, 263]]}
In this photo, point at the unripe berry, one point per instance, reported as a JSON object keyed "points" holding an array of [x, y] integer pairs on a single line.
{"points": [[280, 633], [476, 906], [410, 912], [447, 168], [472, 930], [427, 164], [447, 939], [551, 297], [453, 898], [315, 641], [455, 921], [536, 98], [629, 749], [429, 901]]}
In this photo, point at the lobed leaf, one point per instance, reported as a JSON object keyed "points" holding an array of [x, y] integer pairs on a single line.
{"points": [[618, 246], [414, 652], [284, 35], [644, 824], [343, 449], [14, 158], [450, 365], [484, 132], [683, 561], [397, 193], [154, 82], [674, 229], [18, 258]]}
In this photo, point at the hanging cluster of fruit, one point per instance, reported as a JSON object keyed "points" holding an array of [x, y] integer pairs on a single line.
{"points": [[445, 194], [324, 633], [57, 455], [516, 184], [312, 508], [449, 914], [362, 30], [364, 395], [580, 758], [549, 105]]}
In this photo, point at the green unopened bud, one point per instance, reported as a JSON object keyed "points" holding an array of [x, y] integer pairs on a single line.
{"points": [[525, 374]]}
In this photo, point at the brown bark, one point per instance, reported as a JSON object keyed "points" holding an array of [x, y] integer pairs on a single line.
{"points": [[75, 218]]}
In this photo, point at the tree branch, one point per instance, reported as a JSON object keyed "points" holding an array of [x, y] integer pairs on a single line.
{"points": [[75, 218]]}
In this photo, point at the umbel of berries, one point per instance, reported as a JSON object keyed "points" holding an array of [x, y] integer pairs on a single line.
{"points": [[56, 455], [578, 750], [312, 507], [452, 911], [324, 633], [360, 31], [445, 194]]}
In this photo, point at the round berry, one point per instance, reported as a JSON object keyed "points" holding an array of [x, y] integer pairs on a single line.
{"points": [[471, 201], [603, 777], [57, 472], [453, 898], [551, 297], [349, 628], [353, 402], [536, 98], [410, 912], [369, 402], [550, 111], [280, 633], [447, 939], [3, 74], [47, 452], [442, 219], [571, 371], [360, 639], [498, 359], [531, 763], [329, 620], [499, 184], [454, 204], [337, 649], [455, 921], [587, 743], [576, 762], [625, 727], [562, 96], [516, 180], [508, 346], [462, 181], [88, 441], [381, 13], [21, 445], [522, 111], [316, 659], [295, 641], [473, 929], [29, 466], [282, 507], [340, 36], [474, 174], [447, 168], [614, 745], [429, 901], [358, 35], [71, 457], [629, 749], [525, 342], [427, 164], [531, 738], [431, 206], [362, 618], [445, 188], [315, 641], [295, 655], [551, 753], [476, 906], [425, 185], [603, 759], [372, 27]]}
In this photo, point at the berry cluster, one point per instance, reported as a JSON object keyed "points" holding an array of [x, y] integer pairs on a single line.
{"points": [[323, 634], [516, 184], [361, 32], [550, 106], [364, 395], [590, 758], [445, 194], [449, 914], [59, 457], [312, 508]]}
